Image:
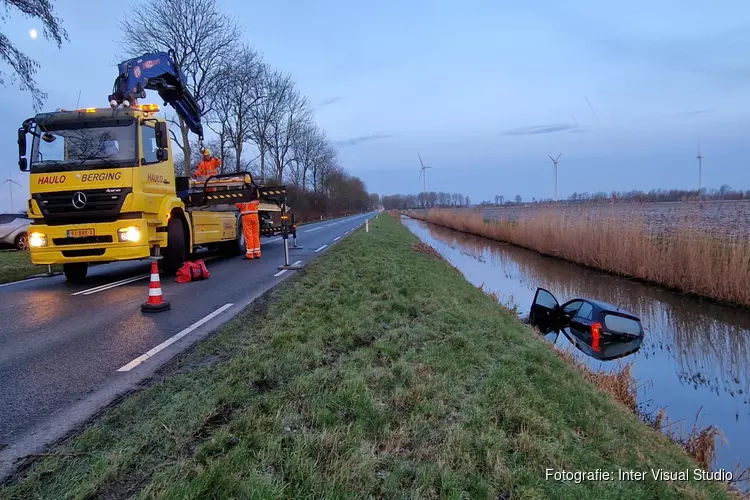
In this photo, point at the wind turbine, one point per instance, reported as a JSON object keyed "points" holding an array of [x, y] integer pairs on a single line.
{"points": [[554, 161], [423, 175], [700, 167], [9, 181]]}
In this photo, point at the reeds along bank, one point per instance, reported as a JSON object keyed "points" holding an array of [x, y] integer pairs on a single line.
{"points": [[685, 256]]}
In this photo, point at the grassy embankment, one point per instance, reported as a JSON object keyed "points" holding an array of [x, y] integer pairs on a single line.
{"points": [[689, 260], [15, 265], [379, 371]]}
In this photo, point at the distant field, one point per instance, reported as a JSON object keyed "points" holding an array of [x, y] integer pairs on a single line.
{"points": [[722, 218]]}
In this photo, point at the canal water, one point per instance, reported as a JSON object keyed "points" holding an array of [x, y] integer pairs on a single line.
{"points": [[695, 356]]}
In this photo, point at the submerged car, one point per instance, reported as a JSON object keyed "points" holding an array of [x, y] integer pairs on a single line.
{"points": [[600, 330], [13, 231]]}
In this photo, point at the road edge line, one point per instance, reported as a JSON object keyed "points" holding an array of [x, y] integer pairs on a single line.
{"points": [[174, 338]]}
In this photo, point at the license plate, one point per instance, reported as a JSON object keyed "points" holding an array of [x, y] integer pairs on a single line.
{"points": [[80, 233]]}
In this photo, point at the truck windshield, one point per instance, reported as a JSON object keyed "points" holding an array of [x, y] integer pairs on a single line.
{"points": [[84, 145]]}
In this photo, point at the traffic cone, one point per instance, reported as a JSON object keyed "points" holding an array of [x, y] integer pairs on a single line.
{"points": [[156, 302]]}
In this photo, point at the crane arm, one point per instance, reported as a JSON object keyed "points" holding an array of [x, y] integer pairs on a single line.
{"points": [[157, 71]]}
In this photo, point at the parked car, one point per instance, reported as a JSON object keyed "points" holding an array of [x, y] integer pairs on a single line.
{"points": [[13, 231], [599, 329]]}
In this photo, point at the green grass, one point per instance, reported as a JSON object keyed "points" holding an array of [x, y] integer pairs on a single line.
{"points": [[377, 372], [16, 266]]}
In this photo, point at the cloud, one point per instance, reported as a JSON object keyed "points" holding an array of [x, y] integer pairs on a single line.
{"points": [[356, 140], [543, 129], [693, 112], [328, 102]]}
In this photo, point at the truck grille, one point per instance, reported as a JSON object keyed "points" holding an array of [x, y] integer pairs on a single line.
{"points": [[82, 241], [81, 205]]}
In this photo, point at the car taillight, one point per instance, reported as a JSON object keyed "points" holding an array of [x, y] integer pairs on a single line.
{"points": [[596, 331]]}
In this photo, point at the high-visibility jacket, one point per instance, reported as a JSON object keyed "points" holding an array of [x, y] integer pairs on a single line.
{"points": [[207, 168], [248, 208]]}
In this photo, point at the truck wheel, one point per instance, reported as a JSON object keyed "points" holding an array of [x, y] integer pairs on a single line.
{"points": [[238, 246], [76, 272], [22, 242], [174, 254]]}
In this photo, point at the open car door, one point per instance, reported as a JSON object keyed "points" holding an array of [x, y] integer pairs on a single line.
{"points": [[544, 311]]}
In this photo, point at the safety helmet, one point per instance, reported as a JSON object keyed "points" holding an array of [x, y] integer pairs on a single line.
{"points": [[206, 152]]}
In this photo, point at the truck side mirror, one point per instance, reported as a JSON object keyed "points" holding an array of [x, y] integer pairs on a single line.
{"points": [[161, 154], [162, 135], [21, 142], [22, 164]]}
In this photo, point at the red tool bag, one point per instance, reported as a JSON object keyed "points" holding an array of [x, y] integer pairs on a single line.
{"points": [[192, 271]]}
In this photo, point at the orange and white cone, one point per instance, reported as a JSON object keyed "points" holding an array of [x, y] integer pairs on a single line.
{"points": [[156, 302]]}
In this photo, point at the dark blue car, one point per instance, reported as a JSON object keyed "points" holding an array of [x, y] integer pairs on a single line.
{"points": [[601, 330]]}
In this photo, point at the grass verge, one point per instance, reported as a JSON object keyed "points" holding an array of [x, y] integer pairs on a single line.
{"points": [[689, 260], [15, 265], [378, 372]]}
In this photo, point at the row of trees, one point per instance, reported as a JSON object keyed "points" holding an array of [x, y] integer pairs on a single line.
{"points": [[261, 122], [430, 199], [725, 192]]}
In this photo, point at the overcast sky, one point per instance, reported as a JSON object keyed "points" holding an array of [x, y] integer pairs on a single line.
{"points": [[484, 90]]}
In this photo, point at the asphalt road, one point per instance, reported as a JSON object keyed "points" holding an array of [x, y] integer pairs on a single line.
{"points": [[61, 343]]}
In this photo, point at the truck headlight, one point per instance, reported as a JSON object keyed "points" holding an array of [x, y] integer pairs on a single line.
{"points": [[38, 240], [130, 234]]}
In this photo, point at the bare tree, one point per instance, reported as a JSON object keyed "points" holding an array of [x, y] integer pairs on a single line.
{"points": [[240, 91], [202, 39], [23, 68], [291, 116], [323, 163], [273, 86]]}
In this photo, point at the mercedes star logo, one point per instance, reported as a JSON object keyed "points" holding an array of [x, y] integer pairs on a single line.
{"points": [[79, 200]]}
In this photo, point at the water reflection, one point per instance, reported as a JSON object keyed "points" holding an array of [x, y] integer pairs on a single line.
{"points": [[695, 353]]}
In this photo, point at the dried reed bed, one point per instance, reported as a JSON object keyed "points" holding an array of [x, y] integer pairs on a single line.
{"points": [[688, 259]]}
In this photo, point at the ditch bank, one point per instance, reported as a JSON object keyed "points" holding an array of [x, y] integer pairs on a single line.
{"points": [[690, 377], [378, 371], [689, 259]]}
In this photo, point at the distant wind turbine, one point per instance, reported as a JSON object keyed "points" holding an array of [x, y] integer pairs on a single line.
{"points": [[700, 168], [554, 162], [423, 174], [9, 181]]}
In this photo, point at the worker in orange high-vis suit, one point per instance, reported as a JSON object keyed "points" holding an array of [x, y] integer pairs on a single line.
{"points": [[251, 228], [208, 166]]}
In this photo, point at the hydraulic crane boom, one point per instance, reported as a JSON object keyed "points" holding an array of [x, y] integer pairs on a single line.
{"points": [[157, 71]]}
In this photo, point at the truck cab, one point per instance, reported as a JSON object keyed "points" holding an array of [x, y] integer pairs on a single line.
{"points": [[102, 187]]}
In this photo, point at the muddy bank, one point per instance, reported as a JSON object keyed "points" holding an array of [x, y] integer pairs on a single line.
{"points": [[695, 357]]}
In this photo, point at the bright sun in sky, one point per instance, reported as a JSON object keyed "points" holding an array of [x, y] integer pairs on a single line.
{"points": [[32, 33]]}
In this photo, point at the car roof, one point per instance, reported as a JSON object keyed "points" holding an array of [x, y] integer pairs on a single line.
{"points": [[610, 307]]}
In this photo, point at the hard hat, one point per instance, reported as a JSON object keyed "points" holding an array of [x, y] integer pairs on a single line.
{"points": [[206, 152]]}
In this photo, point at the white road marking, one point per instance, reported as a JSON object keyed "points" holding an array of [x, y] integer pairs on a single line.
{"points": [[275, 239], [140, 359], [315, 229], [108, 286], [337, 239], [347, 232], [285, 270], [17, 282], [321, 248], [334, 224]]}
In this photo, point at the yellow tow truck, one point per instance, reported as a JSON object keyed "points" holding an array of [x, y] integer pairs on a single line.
{"points": [[103, 184], [91, 205]]}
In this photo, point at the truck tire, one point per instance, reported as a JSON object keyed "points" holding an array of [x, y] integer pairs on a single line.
{"points": [[22, 242], [239, 245], [174, 254], [76, 272]]}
